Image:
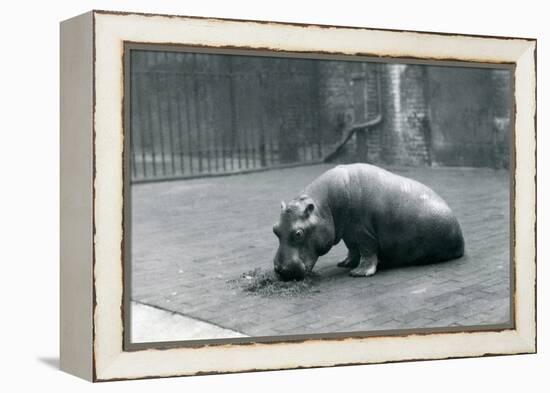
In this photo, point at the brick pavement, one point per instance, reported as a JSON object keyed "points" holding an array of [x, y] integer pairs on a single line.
{"points": [[189, 238]]}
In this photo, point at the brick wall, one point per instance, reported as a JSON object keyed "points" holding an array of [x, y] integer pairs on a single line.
{"points": [[432, 115], [337, 104], [372, 74], [401, 138], [335, 98], [404, 112]]}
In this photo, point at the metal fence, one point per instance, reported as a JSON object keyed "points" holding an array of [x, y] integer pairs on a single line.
{"points": [[195, 115]]}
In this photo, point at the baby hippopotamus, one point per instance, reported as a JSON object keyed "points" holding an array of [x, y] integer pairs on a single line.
{"points": [[385, 220]]}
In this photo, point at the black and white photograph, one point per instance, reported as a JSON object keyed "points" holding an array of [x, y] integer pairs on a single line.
{"points": [[268, 197], [277, 196]]}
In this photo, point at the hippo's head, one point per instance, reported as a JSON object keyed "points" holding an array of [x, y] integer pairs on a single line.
{"points": [[304, 235]]}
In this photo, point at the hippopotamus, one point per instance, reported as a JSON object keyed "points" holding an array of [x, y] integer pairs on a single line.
{"points": [[384, 219]]}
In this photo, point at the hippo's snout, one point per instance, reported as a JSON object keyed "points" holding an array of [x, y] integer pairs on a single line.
{"points": [[288, 265], [293, 271]]}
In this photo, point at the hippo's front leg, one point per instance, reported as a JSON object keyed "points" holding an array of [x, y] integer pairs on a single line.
{"points": [[367, 266], [352, 260]]}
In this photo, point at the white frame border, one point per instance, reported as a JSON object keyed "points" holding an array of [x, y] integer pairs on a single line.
{"points": [[111, 30]]}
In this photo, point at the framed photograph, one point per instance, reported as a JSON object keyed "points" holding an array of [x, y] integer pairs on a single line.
{"points": [[245, 195]]}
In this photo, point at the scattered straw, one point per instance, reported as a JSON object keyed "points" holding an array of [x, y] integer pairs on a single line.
{"points": [[267, 284]]}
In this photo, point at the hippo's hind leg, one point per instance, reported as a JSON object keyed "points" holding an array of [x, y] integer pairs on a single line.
{"points": [[368, 262], [353, 258], [367, 266]]}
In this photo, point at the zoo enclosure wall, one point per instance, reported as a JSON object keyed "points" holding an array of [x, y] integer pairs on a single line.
{"points": [[198, 114]]}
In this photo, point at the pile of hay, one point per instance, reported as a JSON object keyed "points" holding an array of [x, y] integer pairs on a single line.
{"points": [[266, 283]]}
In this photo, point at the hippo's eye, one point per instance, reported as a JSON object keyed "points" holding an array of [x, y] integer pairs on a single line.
{"points": [[298, 235]]}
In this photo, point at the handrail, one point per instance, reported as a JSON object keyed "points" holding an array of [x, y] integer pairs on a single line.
{"points": [[348, 133]]}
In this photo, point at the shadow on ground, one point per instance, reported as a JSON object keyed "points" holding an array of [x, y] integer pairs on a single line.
{"points": [[52, 362]]}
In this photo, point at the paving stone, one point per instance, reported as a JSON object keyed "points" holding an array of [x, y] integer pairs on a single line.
{"points": [[190, 238]]}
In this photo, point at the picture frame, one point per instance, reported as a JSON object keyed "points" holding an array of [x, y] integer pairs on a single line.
{"points": [[94, 199]]}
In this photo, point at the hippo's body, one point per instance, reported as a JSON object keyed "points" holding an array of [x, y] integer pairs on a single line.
{"points": [[384, 220]]}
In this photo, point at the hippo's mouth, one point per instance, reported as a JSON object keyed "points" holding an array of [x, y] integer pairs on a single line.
{"points": [[294, 272], [286, 275], [291, 277]]}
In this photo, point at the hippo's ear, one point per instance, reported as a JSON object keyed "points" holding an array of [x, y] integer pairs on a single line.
{"points": [[309, 209], [283, 205]]}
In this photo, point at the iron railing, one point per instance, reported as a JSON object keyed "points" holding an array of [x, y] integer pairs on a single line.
{"points": [[189, 119]]}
